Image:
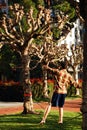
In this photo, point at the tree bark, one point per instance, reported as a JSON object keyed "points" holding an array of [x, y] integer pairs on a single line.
{"points": [[84, 90], [76, 78], [45, 88], [83, 11], [28, 102], [25, 78]]}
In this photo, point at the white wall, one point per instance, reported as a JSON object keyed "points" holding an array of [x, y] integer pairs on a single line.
{"points": [[5, 9]]}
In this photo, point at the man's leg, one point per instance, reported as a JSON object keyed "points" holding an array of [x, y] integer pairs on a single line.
{"points": [[47, 110], [60, 115], [61, 104]]}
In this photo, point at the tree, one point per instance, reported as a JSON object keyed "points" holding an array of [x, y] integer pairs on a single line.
{"points": [[5, 60], [82, 13], [48, 53], [75, 59], [22, 30], [9, 60], [18, 30]]}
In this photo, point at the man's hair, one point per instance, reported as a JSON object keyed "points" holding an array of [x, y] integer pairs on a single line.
{"points": [[63, 65]]}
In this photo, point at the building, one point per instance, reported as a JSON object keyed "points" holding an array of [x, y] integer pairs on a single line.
{"points": [[4, 6]]}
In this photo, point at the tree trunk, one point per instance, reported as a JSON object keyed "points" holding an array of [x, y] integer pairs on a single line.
{"points": [[45, 88], [84, 90], [3, 78], [76, 78], [28, 102], [83, 11]]}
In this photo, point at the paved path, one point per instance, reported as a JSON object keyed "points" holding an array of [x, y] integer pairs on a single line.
{"points": [[10, 107], [16, 107]]}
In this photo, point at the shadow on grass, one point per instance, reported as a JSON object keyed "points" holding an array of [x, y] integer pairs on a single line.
{"points": [[72, 121]]}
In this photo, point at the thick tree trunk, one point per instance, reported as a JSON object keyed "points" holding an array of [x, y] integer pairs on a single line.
{"points": [[28, 102], [83, 11], [84, 90]]}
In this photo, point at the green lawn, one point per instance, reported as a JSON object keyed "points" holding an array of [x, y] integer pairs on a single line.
{"points": [[72, 121]]}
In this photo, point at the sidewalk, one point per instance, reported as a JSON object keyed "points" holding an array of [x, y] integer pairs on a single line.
{"points": [[9, 104], [10, 107], [16, 107]]}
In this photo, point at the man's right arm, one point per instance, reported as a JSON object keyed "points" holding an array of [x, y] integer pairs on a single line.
{"points": [[51, 69]]}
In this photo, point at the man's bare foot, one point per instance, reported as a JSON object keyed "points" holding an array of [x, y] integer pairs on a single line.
{"points": [[60, 122], [42, 122]]}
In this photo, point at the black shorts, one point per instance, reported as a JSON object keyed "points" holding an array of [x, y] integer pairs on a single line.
{"points": [[58, 99]]}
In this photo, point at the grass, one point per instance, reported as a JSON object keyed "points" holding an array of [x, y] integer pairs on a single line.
{"points": [[74, 97], [72, 121]]}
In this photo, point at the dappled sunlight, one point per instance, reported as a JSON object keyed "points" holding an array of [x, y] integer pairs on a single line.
{"points": [[72, 121]]}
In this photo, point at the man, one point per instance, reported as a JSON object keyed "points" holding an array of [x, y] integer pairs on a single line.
{"points": [[63, 79]]}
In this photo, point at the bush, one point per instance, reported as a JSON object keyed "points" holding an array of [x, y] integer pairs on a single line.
{"points": [[11, 93]]}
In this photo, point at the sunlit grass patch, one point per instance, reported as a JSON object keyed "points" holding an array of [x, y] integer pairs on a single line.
{"points": [[72, 121]]}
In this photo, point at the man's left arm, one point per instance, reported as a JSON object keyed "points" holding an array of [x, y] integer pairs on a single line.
{"points": [[75, 83]]}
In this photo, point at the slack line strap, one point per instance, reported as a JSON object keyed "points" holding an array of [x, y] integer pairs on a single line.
{"points": [[27, 94]]}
